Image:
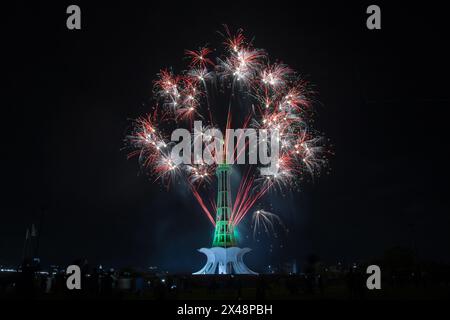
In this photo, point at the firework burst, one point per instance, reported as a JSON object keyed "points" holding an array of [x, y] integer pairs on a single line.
{"points": [[265, 221], [270, 96]]}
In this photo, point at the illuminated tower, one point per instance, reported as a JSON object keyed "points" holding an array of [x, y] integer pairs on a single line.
{"points": [[224, 257], [224, 232]]}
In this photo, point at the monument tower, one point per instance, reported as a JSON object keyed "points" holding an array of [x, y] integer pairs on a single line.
{"points": [[224, 232], [224, 257]]}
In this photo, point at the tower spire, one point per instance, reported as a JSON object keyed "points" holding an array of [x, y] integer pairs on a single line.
{"points": [[224, 234]]}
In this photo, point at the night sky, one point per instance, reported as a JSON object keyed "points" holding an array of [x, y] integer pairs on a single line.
{"points": [[70, 95]]}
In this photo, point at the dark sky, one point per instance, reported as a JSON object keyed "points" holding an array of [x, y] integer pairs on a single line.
{"points": [[70, 96]]}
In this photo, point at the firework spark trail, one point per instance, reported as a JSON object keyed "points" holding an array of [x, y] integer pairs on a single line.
{"points": [[249, 202], [246, 198], [262, 219], [273, 96], [237, 153], [242, 193], [202, 204], [213, 205]]}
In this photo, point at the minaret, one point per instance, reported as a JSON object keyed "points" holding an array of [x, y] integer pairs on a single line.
{"points": [[224, 257], [224, 232]]}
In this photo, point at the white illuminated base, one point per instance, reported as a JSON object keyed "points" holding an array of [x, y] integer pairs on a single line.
{"points": [[225, 261]]}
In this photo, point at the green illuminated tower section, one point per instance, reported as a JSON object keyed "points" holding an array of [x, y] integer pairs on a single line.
{"points": [[224, 233]]}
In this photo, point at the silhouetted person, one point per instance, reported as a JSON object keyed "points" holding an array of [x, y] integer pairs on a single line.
{"points": [[309, 282], [239, 289], [261, 287], [60, 284], [213, 285], [139, 285], [107, 285], [360, 285], [94, 283], [351, 283], [25, 281], [320, 284], [160, 290]]}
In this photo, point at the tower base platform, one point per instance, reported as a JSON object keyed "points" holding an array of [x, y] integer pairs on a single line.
{"points": [[225, 261]]}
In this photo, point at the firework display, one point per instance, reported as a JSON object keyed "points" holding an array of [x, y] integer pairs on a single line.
{"points": [[240, 84], [263, 220]]}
